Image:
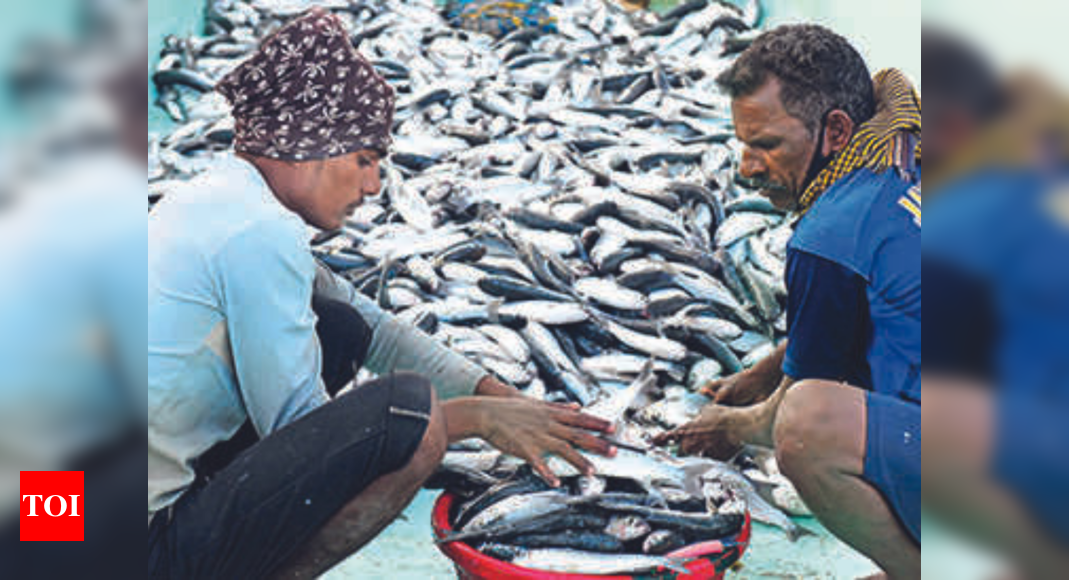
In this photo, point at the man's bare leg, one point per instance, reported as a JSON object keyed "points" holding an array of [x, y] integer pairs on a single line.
{"points": [[367, 514], [959, 433], [820, 434]]}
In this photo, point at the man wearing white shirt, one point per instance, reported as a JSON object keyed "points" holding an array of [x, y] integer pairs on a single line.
{"points": [[245, 329]]}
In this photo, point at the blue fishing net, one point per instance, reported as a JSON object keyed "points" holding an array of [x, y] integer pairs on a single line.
{"points": [[499, 17]]}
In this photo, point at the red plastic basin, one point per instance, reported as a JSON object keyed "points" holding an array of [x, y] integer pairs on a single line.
{"points": [[706, 561]]}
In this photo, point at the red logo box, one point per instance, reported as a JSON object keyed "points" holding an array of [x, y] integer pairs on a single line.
{"points": [[51, 506]]}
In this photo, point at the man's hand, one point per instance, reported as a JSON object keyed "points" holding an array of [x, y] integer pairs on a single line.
{"points": [[740, 389], [530, 429], [718, 432], [750, 386]]}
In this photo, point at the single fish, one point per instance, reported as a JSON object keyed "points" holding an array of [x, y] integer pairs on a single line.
{"points": [[579, 562], [653, 345], [637, 395], [587, 541], [707, 526], [518, 508], [607, 292], [546, 312]]}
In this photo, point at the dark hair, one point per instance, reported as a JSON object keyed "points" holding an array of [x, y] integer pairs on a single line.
{"points": [[818, 71], [957, 75]]}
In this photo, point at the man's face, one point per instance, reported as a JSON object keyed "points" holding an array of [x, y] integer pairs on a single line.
{"points": [[338, 185], [778, 147]]}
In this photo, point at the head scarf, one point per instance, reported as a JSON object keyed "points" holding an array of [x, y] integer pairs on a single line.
{"points": [[307, 94]]}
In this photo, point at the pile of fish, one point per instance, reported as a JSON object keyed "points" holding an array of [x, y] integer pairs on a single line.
{"points": [[559, 207], [562, 207]]}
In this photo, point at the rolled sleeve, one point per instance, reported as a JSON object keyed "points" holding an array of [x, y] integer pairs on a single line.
{"points": [[267, 296], [396, 346]]}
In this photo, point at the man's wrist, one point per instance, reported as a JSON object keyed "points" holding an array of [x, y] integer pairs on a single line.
{"points": [[757, 420], [489, 386], [466, 417]]}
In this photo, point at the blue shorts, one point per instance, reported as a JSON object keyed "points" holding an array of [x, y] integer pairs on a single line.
{"points": [[893, 456], [1030, 441]]}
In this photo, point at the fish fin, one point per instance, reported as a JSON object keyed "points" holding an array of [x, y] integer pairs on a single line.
{"points": [[676, 565], [461, 536], [763, 488], [799, 531]]}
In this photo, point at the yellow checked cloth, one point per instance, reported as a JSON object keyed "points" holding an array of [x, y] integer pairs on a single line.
{"points": [[891, 138]]}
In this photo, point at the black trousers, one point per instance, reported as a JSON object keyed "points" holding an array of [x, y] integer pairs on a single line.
{"points": [[254, 504]]}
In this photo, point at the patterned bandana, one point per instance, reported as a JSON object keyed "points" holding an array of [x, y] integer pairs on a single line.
{"points": [[307, 94], [891, 138]]}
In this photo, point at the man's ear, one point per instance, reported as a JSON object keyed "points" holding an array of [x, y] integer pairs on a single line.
{"points": [[838, 130]]}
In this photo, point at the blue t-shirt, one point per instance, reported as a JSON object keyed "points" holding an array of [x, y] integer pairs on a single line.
{"points": [[1004, 235], [999, 240], [854, 286]]}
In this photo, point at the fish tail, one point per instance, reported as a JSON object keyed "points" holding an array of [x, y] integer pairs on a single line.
{"points": [[676, 565]]}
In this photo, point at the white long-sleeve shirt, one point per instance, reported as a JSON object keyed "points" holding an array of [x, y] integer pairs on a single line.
{"points": [[231, 331]]}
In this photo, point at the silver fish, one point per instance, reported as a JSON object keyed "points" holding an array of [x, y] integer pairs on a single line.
{"points": [[609, 293], [576, 562], [510, 341], [546, 312], [760, 510], [518, 508], [653, 345], [613, 407]]}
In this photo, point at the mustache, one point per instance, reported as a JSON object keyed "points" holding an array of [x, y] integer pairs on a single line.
{"points": [[760, 183]]}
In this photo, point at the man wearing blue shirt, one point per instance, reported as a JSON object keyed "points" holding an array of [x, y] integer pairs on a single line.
{"points": [[840, 399]]}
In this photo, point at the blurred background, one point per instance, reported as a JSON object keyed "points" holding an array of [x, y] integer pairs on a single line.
{"points": [[72, 254], [1012, 34], [54, 61]]}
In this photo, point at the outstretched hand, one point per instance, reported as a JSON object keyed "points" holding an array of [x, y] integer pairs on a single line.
{"points": [[718, 432], [532, 430], [740, 389]]}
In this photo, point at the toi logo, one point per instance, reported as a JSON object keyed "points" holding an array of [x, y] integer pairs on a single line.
{"points": [[51, 506]]}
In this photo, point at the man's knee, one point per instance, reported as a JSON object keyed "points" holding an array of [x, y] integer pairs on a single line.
{"points": [[413, 395], [806, 430]]}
